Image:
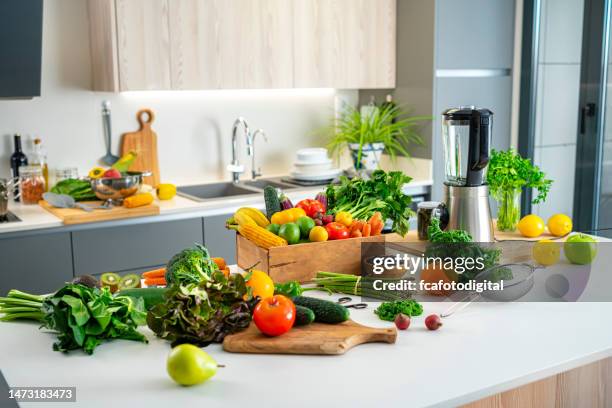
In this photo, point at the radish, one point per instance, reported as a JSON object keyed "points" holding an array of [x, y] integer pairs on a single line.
{"points": [[433, 322], [402, 321]]}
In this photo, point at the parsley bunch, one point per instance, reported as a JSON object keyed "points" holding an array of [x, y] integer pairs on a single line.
{"points": [[508, 171]]}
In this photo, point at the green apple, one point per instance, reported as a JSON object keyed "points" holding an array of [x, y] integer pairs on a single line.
{"points": [[580, 249]]}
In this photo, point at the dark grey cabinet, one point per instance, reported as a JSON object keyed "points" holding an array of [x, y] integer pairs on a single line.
{"points": [[474, 34], [38, 263], [20, 48], [218, 239], [132, 247]]}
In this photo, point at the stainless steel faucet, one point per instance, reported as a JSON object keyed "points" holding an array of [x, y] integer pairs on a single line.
{"points": [[235, 167], [256, 172]]}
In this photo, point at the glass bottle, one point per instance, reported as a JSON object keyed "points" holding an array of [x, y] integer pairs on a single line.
{"points": [[32, 184], [39, 158], [18, 160]]}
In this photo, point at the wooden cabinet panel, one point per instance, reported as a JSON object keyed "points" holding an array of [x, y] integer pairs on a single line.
{"points": [[143, 44], [231, 44], [344, 43], [38, 263]]}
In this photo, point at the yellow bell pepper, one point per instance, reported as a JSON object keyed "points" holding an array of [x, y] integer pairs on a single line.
{"points": [[286, 216]]}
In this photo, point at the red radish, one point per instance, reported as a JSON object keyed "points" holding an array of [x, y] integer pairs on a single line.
{"points": [[402, 321], [433, 322]]}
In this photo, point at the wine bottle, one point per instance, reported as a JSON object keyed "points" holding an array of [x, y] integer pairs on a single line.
{"points": [[18, 159]]}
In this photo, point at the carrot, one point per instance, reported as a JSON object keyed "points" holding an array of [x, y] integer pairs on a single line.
{"points": [[357, 225], [356, 234], [367, 230], [155, 281], [155, 273], [377, 223], [220, 262]]}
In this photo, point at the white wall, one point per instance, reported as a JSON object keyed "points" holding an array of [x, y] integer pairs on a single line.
{"points": [[194, 128]]}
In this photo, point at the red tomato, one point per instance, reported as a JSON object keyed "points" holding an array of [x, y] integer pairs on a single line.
{"points": [[311, 207], [335, 230], [274, 315]]}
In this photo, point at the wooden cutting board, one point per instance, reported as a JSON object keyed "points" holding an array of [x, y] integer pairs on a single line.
{"points": [[77, 216], [315, 338], [144, 143]]}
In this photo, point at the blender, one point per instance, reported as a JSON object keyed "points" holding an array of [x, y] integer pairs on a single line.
{"points": [[466, 133]]}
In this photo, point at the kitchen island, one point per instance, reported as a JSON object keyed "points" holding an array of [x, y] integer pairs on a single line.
{"points": [[486, 349]]}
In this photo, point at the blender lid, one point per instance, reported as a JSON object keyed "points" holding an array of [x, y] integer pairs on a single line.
{"points": [[465, 112]]}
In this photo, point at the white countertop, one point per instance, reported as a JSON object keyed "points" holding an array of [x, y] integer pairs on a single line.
{"points": [[34, 217], [485, 349]]}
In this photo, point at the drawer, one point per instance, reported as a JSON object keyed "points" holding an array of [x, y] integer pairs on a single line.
{"points": [[132, 247]]}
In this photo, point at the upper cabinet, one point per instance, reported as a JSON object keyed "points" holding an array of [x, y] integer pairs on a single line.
{"points": [[231, 44], [239, 44], [344, 43]]}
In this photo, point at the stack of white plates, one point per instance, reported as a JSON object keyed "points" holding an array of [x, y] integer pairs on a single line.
{"points": [[312, 164]]}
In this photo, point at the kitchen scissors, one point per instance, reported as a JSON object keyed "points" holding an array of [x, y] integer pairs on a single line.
{"points": [[344, 300]]}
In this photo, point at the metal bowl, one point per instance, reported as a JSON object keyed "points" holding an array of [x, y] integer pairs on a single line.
{"points": [[116, 189]]}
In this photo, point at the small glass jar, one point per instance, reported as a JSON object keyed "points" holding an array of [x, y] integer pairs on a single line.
{"points": [[66, 173], [426, 210], [32, 184]]}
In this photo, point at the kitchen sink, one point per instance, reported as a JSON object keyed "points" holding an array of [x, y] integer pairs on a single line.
{"points": [[262, 183], [214, 190]]}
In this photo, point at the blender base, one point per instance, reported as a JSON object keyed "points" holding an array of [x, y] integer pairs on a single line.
{"points": [[469, 210]]}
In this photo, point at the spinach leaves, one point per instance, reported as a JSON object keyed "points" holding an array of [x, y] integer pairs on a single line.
{"points": [[80, 190], [84, 317]]}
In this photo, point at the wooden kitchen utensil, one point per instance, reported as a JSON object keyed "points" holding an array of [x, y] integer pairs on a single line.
{"points": [[144, 143], [71, 216], [315, 338]]}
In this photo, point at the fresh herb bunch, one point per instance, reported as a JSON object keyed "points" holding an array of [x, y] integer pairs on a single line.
{"points": [[83, 317], [508, 171], [388, 310], [334, 282], [382, 192], [455, 244], [387, 124], [202, 313], [190, 266]]}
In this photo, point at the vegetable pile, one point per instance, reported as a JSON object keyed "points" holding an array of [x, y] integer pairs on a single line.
{"points": [[202, 313], [82, 316], [381, 193]]}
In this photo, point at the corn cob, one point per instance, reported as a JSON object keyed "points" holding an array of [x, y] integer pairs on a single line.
{"points": [[259, 236], [241, 218], [256, 215]]}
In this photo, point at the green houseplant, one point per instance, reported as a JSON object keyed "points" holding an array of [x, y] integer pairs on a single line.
{"points": [[507, 175], [385, 127]]}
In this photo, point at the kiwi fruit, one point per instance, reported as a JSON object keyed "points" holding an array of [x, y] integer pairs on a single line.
{"points": [[110, 280], [129, 281]]}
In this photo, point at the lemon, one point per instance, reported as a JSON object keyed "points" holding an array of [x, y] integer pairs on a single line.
{"points": [[531, 226], [166, 191], [546, 252], [190, 365], [560, 225]]}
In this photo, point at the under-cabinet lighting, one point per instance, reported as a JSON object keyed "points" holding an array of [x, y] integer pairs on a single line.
{"points": [[234, 93]]}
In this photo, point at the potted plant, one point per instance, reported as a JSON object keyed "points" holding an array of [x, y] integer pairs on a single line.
{"points": [[507, 175], [384, 128]]}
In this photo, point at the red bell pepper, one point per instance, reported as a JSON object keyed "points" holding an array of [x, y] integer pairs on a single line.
{"points": [[311, 207]]}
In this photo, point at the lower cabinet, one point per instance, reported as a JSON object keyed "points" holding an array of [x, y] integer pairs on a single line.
{"points": [[132, 248], [38, 263], [219, 240]]}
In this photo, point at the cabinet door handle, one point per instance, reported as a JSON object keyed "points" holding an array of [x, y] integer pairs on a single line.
{"points": [[587, 110]]}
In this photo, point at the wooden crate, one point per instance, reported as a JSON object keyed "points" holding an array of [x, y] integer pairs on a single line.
{"points": [[301, 262]]}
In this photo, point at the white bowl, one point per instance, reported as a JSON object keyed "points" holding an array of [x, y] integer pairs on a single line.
{"points": [[316, 176], [312, 155], [312, 167]]}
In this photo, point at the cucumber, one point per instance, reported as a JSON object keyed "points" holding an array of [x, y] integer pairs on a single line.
{"points": [[303, 316], [151, 296], [324, 310], [273, 204]]}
